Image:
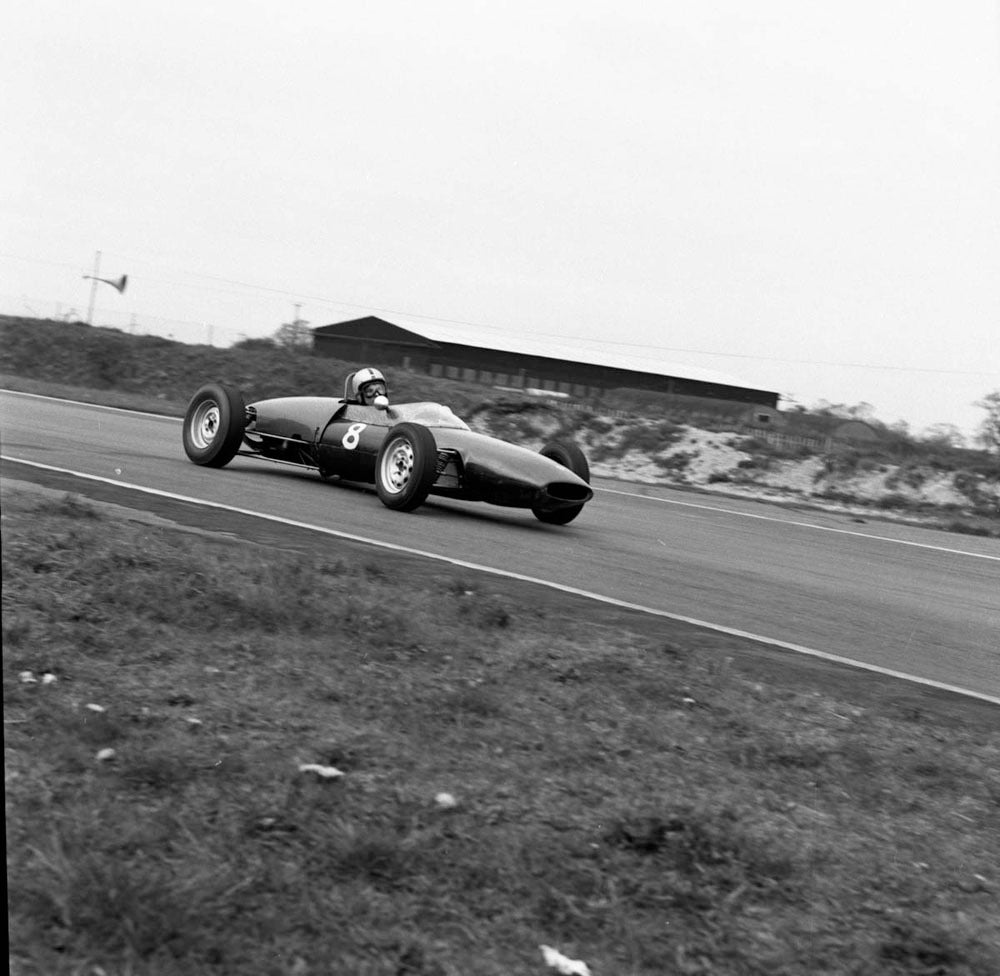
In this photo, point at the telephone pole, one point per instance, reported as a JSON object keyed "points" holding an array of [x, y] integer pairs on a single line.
{"points": [[93, 288]]}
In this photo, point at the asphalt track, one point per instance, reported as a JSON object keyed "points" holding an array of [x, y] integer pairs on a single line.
{"points": [[905, 600]]}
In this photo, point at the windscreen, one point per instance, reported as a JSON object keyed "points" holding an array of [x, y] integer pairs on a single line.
{"points": [[428, 414]]}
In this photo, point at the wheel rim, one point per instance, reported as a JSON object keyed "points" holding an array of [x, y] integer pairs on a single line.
{"points": [[205, 424], [397, 466]]}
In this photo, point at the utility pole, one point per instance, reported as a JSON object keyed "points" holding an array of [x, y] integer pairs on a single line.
{"points": [[93, 288]]}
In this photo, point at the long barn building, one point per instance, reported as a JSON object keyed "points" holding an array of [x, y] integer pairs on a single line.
{"points": [[580, 373]]}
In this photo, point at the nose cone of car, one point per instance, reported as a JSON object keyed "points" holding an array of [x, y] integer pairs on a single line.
{"points": [[507, 474]]}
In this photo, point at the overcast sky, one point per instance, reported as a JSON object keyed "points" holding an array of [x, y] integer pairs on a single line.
{"points": [[803, 195]]}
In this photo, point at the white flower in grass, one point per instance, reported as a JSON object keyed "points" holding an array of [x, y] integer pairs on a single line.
{"points": [[323, 772], [563, 964]]}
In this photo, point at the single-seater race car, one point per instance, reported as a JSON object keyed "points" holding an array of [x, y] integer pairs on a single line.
{"points": [[407, 450]]}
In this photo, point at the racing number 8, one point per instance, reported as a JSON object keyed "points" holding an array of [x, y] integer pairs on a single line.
{"points": [[353, 436]]}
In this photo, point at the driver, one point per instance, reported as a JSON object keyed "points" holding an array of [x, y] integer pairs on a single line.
{"points": [[364, 385]]}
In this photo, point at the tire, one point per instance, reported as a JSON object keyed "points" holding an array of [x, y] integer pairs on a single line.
{"points": [[569, 456], [213, 425], [406, 467]]}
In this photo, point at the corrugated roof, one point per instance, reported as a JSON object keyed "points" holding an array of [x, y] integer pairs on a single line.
{"points": [[582, 351]]}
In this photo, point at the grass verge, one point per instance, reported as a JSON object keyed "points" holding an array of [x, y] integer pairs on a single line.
{"points": [[633, 802]]}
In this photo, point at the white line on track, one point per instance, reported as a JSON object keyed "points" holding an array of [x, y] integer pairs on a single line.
{"points": [[804, 525], [561, 587]]}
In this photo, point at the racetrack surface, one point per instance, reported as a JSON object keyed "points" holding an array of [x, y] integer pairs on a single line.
{"points": [[911, 600]]}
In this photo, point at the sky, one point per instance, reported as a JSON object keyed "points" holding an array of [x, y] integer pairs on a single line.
{"points": [[804, 196]]}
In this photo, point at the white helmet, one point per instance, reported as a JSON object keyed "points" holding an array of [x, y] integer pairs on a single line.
{"points": [[355, 387]]}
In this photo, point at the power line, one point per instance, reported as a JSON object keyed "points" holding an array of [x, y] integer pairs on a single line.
{"points": [[604, 342], [326, 300], [800, 362]]}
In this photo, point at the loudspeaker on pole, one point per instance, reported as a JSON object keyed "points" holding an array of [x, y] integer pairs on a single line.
{"points": [[117, 283]]}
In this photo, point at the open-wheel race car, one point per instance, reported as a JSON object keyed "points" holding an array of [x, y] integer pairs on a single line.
{"points": [[407, 451]]}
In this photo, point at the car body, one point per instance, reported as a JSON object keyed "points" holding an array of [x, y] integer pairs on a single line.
{"points": [[408, 450]]}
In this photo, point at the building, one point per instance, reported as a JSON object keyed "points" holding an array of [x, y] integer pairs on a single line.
{"points": [[582, 373]]}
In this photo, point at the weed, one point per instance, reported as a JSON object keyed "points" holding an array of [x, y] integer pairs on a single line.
{"points": [[914, 946], [967, 528], [486, 613], [71, 506]]}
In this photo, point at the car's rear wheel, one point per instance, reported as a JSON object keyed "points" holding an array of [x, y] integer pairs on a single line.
{"points": [[213, 425], [569, 456], [406, 467]]}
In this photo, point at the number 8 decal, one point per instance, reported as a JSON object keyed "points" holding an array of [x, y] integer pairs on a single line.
{"points": [[353, 436]]}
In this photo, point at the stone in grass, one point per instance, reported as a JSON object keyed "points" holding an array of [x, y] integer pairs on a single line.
{"points": [[446, 801], [105, 755], [321, 772], [563, 964]]}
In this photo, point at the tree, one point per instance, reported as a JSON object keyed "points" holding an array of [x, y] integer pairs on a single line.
{"points": [[845, 411], [989, 429], [294, 335], [247, 342], [946, 435]]}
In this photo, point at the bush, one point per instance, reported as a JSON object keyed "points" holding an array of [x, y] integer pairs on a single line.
{"points": [[675, 462], [896, 500], [839, 463], [650, 439]]}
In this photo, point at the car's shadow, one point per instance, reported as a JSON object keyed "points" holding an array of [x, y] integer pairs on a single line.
{"points": [[434, 507]]}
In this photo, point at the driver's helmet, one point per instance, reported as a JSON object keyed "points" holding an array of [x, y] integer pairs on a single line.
{"points": [[364, 385]]}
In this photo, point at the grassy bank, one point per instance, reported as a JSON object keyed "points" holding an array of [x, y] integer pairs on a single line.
{"points": [[631, 801]]}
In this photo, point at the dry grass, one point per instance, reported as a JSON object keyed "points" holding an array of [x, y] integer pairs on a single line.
{"points": [[635, 803]]}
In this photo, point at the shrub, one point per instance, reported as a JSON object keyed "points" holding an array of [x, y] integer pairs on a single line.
{"points": [[675, 462], [840, 463], [896, 500], [835, 495], [650, 439]]}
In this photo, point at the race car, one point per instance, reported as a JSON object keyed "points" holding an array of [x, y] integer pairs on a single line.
{"points": [[407, 451]]}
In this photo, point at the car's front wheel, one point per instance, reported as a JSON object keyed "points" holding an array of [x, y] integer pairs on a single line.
{"points": [[569, 456], [406, 467], [213, 425]]}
